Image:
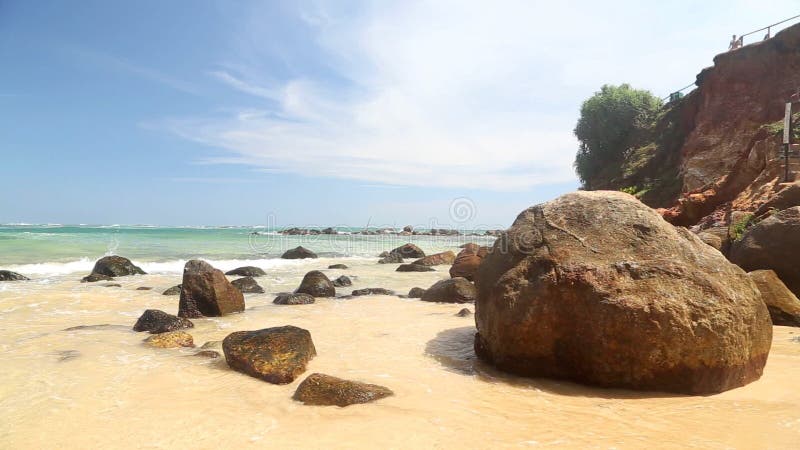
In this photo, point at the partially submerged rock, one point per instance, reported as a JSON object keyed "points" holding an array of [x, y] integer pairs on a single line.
{"points": [[156, 321], [597, 288], [436, 259], [391, 258], [116, 266], [95, 277], [276, 355], [342, 281], [337, 266], [416, 292], [7, 275], [206, 291], [170, 339], [174, 290], [773, 243], [144, 288], [288, 298], [371, 291], [298, 253], [464, 312], [247, 285], [408, 251], [325, 390], [210, 354], [783, 305], [414, 268], [453, 290], [317, 284], [247, 271]]}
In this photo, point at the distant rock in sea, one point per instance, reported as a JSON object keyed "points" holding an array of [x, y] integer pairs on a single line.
{"points": [[298, 253], [416, 292]]}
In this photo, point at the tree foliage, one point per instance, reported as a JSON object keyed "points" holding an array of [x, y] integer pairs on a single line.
{"points": [[607, 126]]}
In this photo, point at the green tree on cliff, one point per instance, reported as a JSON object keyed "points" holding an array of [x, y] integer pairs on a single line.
{"points": [[607, 126]]}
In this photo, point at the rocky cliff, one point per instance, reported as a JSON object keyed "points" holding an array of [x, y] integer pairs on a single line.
{"points": [[717, 150]]}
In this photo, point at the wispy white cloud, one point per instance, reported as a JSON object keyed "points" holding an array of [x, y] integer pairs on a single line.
{"points": [[450, 93]]}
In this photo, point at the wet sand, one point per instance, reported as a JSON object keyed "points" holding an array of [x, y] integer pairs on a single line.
{"points": [[101, 386]]}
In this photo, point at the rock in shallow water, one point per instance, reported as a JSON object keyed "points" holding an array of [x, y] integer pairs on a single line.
{"points": [[342, 281], [325, 390], [206, 291], [174, 290], [95, 277], [316, 284], [464, 313], [156, 321], [391, 258], [298, 253], [276, 355], [116, 266], [248, 285], [453, 290], [408, 251], [288, 298], [437, 259], [371, 291], [414, 268], [337, 266], [416, 292], [596, 287], [170, 339], [247, 271], [7, 275]]}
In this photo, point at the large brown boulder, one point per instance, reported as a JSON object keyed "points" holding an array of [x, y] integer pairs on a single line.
{"points": [[437, 259], [597, 288], [116, 266], [316, 284], [277, 355], [773, 243], [408, 251], [783, 306], [325, 390], [452, 290], [205, 291]]}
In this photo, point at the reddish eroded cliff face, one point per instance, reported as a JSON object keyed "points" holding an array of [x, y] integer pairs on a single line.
{"points": [[730, 158]]}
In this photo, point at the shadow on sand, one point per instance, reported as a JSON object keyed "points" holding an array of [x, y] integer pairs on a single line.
{"points": [[454, 349]]}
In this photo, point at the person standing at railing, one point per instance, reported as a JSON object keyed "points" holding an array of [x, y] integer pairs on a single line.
{"points": [[733, 43]]}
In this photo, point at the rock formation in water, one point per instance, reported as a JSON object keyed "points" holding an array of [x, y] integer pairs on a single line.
{"points": [[170, 339], [453, 290], [408, 251], [342, 281], [174, 290], [116, 266], [248, 285], [156, 321], [247, 271], [205, 291], [597, 288], [277, 355], [288, 298], [325, 390], [436, 259], [316, 284], [7, 275], [414, 268], [298, 253], [390, 258]]}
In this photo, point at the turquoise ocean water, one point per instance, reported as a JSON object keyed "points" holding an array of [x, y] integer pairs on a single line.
{"points": [[67, 248]]}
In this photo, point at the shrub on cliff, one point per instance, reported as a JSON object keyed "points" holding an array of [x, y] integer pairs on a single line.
{"points": [[608, 122]]}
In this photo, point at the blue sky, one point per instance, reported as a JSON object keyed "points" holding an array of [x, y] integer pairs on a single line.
{"points": [[231, 112]]}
